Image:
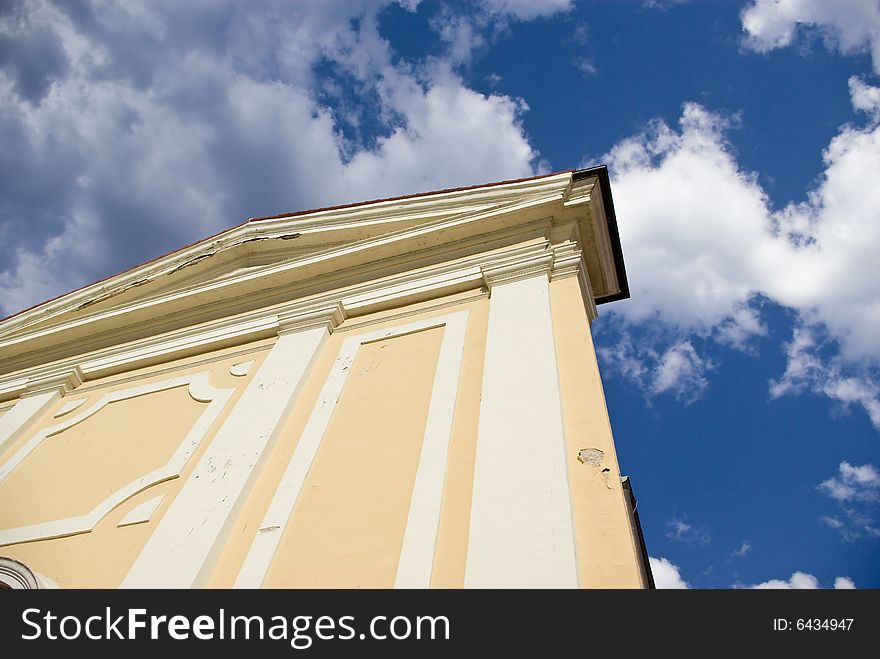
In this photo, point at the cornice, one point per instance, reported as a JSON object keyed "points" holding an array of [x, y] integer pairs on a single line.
{"points": [[61, 380], [539, 257], [328, 317], [417, 208], [423, 236]]}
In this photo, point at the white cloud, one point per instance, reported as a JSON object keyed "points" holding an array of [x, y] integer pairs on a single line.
{"points": [[666, 574], [848, 26], [527, 9], [704, 248], [682, 531], [853, 483], [743, 550], [865, 98], [844, 583], [680, 371], [856, 489], [662, 4], [802, 581], [131, 131], [586, 65]]}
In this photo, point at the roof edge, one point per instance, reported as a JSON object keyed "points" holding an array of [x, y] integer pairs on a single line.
{"points": [[601, 172]]}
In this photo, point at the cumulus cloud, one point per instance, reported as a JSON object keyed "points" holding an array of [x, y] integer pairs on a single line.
{"points": [[802, 581], [847, 26], [682, 531], [853, 483], [705, 250], [527, 9], [132, 129], [844, 583], [666, 575], [743, 550], [856, 490]]}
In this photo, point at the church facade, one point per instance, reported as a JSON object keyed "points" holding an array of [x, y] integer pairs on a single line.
{"points": [[398, 393]]}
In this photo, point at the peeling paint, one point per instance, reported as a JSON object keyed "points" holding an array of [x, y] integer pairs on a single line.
{"points": [[591, 456], [217, 248]]}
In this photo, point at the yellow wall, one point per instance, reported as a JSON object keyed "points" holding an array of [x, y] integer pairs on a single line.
{"points": [[347, 528], [72, 471], [607, 555]]}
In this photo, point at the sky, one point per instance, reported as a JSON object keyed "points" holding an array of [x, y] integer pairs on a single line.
{"points": [[743, 143]]}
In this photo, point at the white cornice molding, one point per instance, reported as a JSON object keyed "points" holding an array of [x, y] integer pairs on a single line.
{"points": [[430, 207], [538, 257], [568, 261], [523, 267], [331, 261], [61, 380], [298, 321]]}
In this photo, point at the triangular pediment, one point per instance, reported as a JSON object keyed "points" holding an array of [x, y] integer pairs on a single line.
{"points": [[303, 254]]}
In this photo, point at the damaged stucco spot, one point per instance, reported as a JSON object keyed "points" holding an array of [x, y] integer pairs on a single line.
{"points": [[591, 456], [210, 250]]}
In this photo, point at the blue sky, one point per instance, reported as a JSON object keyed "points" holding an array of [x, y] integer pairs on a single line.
{"points": [[743, 377]]}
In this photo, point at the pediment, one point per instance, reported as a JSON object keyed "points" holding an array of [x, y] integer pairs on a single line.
{"points": [[308, 253]]}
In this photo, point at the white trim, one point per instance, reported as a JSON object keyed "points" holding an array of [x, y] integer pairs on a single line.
{"points": [[423, 522], [417, 554], [447, 278], [69, 406], [242, 369], [17, 420], [521, 531], [186, 543], [552, 188], [16, 575], [200, 390], [143, 512]]}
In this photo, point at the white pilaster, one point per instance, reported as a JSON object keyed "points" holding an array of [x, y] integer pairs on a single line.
{"points": [[521, 532], [183, 549], [17, 420], [423, 521]]}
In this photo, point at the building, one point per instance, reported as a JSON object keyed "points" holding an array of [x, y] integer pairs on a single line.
{"points": [[396, 393]]}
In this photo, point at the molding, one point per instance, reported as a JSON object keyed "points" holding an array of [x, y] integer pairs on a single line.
{"points": [[241, 369], [211, 359], [415, 208], [329, 309], [350, 257], [506, 272], [69, 406], [143, 512], [322, 318], [417, 552], [16, 575], [568, 261], [199, 389], [61, 380], [416, 561]]}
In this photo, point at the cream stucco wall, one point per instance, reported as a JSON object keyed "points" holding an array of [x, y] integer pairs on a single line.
{"points": [[71, 472], [432, 418], [347, 527]]}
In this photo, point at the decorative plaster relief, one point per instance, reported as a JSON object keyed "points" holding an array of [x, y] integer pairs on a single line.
{"points": [[142, 512], [69, 406], [199, 389], [242, 369], [417, 554]]}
